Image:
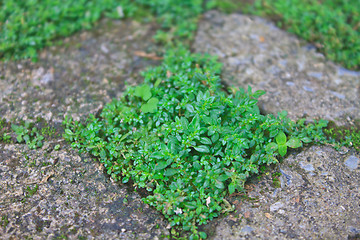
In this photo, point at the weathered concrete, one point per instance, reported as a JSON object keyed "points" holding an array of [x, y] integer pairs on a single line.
{"points": [[295, 77]]}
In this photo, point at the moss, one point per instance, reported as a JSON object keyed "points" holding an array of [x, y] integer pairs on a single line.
{"points": [[348, 136]]}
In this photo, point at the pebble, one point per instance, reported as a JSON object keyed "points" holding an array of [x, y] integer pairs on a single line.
{"points": [[276, 206], [307, 167], [247, 229], [352, 162]]}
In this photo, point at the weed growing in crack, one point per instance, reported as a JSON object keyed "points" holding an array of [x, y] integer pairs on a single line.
{"points": [[29, 134], [194, 145]]}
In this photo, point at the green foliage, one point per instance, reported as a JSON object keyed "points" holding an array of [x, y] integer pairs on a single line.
{"points": [[31, 191], [29, 134], [344, 136], [178, 19], [29, 25], [332, 25], [4, 221], [227, 6], [199, 145]]}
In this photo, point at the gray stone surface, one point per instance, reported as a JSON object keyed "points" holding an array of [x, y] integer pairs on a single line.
{"points": [[322, 205], [74, 198], [78, 77], [295, 77]]}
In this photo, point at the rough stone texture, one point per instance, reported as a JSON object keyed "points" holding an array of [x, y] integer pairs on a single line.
{"points": [[78, 77], [319, 204], [318, 192], [295, 77], [74, 198]]}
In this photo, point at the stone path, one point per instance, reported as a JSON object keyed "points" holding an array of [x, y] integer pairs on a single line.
{"points": [[316, 197]]}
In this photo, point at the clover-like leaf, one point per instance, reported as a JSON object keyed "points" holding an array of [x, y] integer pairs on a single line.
{"points": [[143, 91], [281, 138], [150, 106], [231, 188], [282, 149], [294, 143], [271, 147]]}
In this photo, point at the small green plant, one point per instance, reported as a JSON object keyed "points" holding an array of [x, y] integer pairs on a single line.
{"points": [[282, 143], [344, 136], [196, 145], [4, 221], [6, 138], [31, 191], [276, 179], [29, 134]]}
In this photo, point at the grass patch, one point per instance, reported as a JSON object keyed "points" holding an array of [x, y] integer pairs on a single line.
{"points": [[333, 26], [29, 25]]}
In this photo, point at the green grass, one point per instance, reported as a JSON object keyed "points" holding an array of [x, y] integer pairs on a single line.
{"points": [[333, 26], [29, 25]]}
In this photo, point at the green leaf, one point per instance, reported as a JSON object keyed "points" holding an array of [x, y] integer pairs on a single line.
{"points": [[19, 139], [143, 91], [202, 148], [215, 137], [231, 188], [197, 165], [282, 149], [125, 179], [258, 93], [293, 143], [219, 184], [68, 132], [195, 123], [169, 172], [203, 235], [190, 108], [306, 140], [161, 165], [249, 90], [157, 155], [157, 83], [281, 138], [205, 140], [282, 114], [223, 178], [271, 147], [150, 106]]}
